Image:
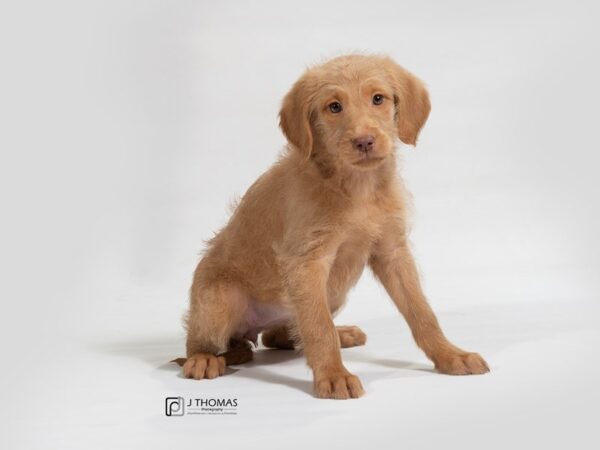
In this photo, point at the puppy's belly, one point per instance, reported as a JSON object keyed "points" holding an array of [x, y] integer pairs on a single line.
{"points": [[259, 316]]}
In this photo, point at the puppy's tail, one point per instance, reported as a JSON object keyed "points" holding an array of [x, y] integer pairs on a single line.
{"points": [[239, 352]]}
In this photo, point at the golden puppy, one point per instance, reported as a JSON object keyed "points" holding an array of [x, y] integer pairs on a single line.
{"points": [[304, 231]]}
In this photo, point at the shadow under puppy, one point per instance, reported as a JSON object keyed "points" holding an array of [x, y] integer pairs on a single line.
{"points": [[301, 236]]}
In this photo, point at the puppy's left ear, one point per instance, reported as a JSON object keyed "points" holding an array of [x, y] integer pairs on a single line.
{"points": [[294, 118], [411, 100]]}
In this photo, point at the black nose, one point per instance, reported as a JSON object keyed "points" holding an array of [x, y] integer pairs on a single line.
{"points": [[364, 143]]}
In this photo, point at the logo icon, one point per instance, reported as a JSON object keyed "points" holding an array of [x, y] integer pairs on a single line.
{"points": [[174, 406]]}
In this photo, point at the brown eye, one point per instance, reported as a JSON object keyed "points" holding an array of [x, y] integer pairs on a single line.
{"points": [[335, 107], [377, 99]]}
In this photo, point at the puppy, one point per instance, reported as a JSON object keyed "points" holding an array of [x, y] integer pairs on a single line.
{"points": [[303, 233]]}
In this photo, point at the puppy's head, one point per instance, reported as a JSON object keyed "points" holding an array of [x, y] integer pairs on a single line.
{"points": [[351, 110]]}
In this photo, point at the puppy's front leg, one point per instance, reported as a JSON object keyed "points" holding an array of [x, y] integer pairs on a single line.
{"points": [[393, 263], [307, 291]]}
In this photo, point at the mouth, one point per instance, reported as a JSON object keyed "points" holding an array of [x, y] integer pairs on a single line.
{"points": [[368, 161]]}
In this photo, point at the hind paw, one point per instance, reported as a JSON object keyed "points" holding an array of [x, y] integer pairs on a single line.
{"points": [[351, 336]]}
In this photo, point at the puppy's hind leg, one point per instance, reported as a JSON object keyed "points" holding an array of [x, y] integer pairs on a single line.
{"points": [[238, 352], [350, 336], [215, 313], [277, 338]]}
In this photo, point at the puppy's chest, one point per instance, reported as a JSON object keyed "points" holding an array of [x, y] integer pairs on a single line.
{"points": [[354, 249], [364, 223]]}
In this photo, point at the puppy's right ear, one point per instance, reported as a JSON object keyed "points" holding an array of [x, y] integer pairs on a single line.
{"points": [[294, 118]]}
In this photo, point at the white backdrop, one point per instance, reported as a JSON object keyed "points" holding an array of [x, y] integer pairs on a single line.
{"points": [[127, 127]]}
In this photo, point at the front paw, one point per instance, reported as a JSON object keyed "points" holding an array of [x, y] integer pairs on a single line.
{"points": [[204, 366], [461, 363], [339, 385]]}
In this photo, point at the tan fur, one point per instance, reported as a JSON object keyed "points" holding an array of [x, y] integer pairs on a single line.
{"points": [[304, 231]]}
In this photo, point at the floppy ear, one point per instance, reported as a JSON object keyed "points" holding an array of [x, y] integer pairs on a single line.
{"points": [[294, 118], [412, 103]]}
